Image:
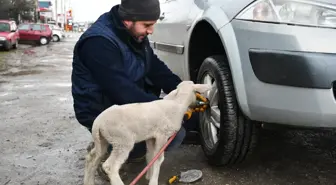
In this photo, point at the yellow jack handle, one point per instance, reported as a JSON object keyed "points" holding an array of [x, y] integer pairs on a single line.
{"points": [[199, 108]]}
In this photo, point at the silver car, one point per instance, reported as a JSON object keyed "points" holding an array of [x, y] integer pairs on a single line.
{"points": [[270, 61]]}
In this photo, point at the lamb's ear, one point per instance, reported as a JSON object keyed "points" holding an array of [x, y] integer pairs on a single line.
{"points": [[202, 88]]}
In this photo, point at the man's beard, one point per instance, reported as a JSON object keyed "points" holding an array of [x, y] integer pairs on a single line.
{"points": [[136, 37]]}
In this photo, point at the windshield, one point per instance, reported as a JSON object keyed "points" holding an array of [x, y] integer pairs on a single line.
{"points": [[4, 27]]}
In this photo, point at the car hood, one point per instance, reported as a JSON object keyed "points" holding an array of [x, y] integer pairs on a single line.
{"points": [[4, 34], [233, 7]]}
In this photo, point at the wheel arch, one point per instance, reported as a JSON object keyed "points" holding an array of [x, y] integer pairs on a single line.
{"points": [[220, 40]]}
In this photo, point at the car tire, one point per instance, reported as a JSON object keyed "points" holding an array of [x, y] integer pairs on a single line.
{"points": [[55, 38], [7, 46], [236, 134], [43, 41]]}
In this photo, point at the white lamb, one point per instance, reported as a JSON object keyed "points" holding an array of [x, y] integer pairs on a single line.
{"points": [[124, 125]]}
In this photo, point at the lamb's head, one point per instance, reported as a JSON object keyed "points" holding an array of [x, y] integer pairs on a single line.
{"points": [[186, 92]]}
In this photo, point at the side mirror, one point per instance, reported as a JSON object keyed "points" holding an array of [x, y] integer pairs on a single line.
{"points": [[162, 16]]}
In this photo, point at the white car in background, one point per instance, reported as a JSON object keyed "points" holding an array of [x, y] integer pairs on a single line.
{"points": [[57, 33]]}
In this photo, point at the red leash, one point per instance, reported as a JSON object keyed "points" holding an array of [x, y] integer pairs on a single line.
{"points": [[153, 160]]}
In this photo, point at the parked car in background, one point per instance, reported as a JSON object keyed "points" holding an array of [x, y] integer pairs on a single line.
{"points": [[269, 61], [75, 27], [9, 35], [35, 32], [58, 33], [82, 27]]}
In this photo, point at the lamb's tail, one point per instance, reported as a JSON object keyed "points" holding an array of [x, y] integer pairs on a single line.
{"points": [[100, 143], [95, 155]]}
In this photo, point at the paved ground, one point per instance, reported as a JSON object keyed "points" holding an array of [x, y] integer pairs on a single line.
{"points": [[42, 143]]}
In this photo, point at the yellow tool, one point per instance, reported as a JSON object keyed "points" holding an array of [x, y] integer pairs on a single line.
{"points": [[186, 177], [173, 179], [201, 106]]}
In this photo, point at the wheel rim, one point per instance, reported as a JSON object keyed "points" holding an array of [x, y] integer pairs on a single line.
{"points": [[210, 119], [55, 38], [44, 41]]}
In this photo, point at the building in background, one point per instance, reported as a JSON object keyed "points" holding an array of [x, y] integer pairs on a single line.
{"points": [[62, 12], [69, 21], [45, 11]]}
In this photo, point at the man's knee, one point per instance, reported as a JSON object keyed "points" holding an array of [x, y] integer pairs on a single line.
{"points": [[193, 123]]}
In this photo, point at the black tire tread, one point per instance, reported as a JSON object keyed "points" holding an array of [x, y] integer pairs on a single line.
{"points": [[238, 134]]}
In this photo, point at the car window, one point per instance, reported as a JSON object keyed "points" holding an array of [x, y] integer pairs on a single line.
{"points": [[36, 27], [4, 27], [43, 28], [24, 27]]}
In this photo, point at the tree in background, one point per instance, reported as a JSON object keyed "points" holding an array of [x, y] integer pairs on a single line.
{"points": [[5, 8], [19, 10], [22, 10]]}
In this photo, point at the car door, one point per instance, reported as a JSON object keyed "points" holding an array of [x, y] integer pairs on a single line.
{"points": [[36, 32], [11, 34], [170, 33], [24, 31]]}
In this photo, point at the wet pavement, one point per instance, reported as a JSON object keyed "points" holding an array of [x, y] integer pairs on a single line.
{"points": [[42, 143]]}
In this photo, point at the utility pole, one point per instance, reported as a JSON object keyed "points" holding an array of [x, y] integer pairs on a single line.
{"points": [[62, 13], [36, 11], [65, 12], [56, 7]]}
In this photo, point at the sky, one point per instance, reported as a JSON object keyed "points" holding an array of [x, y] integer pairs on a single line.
{"points": [[90, 10], [87, 10]]}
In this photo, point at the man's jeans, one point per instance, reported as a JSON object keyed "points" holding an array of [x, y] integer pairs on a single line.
{"points": [[140, 149]]}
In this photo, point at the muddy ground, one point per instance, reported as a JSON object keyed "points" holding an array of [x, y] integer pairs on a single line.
{"points": [[42, 143]]}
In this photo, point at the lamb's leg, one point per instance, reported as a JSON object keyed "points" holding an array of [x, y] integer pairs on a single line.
{"points": [[159, 142], [150, 154], [118, 157], [93, 158]]}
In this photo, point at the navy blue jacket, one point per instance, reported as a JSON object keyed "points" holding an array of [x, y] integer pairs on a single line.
{"points": [[110, 67]]}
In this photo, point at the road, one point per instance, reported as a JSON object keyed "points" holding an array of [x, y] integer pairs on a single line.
{"points": [[42, 143]]}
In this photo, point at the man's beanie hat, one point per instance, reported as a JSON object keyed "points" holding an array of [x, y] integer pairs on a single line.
{"points": [[139, 10]]}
